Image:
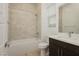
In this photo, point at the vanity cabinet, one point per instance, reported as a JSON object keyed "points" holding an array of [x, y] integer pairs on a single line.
{"points": [[60, 48], [54, 50]]}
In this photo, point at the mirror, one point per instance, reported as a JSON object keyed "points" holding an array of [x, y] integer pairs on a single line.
{"points": [[69, 18]]}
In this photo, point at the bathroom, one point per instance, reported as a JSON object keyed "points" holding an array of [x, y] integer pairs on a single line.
{"points": [[39, 29], [21, 32]]}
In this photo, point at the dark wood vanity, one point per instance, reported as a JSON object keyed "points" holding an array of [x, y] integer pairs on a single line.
{"points": [[60, 48]]}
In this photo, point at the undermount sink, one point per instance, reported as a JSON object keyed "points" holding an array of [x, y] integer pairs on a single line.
{"points": [[75, 36], [61, 35]]}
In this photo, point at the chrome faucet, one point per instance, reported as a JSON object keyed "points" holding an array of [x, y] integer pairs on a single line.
{"points": [[70, 34]]}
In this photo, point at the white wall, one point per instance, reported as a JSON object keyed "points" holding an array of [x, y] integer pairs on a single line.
{"points": [[51, 10], [48, 18], [3, 23], [44, 23]]}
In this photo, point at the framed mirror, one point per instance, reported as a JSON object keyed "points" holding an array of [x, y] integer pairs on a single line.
{"points": [[69, 18]]}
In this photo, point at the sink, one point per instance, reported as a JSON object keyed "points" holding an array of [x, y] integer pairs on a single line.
{"points": [[75, 36], [61, 35]]}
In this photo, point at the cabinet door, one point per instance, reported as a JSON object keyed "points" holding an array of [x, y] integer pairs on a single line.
{"points": [[54, 50], [67, 52]]}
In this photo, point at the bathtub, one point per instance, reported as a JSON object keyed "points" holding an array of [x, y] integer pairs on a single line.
{"points": [[24, 47]]}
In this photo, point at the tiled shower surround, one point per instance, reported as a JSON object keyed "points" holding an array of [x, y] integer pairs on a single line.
{"points": [[23, 21]]}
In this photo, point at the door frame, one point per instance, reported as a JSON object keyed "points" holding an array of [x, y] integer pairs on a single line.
{"points": [[58, 6]]}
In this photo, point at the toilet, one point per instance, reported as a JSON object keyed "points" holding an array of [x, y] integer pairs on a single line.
{"points": [[44, 48]]}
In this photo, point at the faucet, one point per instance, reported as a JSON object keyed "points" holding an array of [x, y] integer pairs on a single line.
{"points": [[70, 34]]}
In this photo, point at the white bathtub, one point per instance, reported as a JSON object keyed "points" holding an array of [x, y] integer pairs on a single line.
{"points": [[23, 47]]}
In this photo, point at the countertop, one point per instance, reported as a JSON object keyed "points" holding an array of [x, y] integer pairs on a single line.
{"points": [[74, 41]]}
